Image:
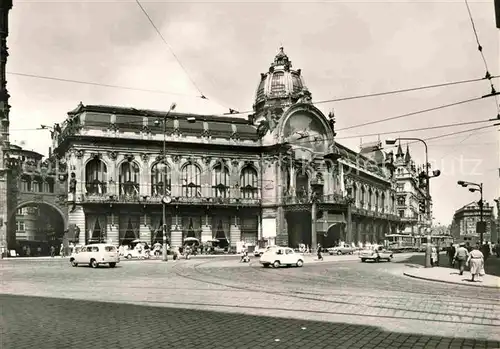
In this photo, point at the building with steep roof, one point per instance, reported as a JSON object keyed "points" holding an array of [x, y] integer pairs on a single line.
{"points": [[277, 176], [411, 192]]}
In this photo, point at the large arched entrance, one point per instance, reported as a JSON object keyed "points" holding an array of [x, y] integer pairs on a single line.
{"points": [[34, 227], [334, 235]]}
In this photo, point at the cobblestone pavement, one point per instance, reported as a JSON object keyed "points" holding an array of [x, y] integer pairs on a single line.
{"points": [[351, 304]]}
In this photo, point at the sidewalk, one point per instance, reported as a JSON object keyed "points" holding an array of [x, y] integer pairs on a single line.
{"points": [[451, 276]]}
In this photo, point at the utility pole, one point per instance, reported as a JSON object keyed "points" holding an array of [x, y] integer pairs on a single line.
{"points": [[5, 7]]}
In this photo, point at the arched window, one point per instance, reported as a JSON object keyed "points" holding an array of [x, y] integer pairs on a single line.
{"points": [[278, 83], [220, 181], [393, 204], [401, 201], [249, 183], [354, 194], [95, 177], [370, 198], [160, 175], [129, 179], [377, 202], [302, 185], [382, 202], [191, 181], [363, 196]]}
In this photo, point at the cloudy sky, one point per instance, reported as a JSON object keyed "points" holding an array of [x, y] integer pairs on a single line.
{"points": [[343, 48]]}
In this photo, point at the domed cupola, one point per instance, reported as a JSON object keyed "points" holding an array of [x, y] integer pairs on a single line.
{"points": [[281, 86]]}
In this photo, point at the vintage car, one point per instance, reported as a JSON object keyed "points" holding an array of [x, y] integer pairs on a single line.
{"points": [[281, 256], [376, 253], [341, 250], [96, 254]]}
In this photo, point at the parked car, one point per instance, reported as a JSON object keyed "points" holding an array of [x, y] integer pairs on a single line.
{"points": [[376, 253], [341, 250], [280, 256], [96, 254]]}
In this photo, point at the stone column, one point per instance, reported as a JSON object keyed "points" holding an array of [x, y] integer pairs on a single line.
{"points": [[176, 178], [77, 217], [144, 231], [112, 229], [259, 227], [234, 232], [206, 228], [176, 231]]}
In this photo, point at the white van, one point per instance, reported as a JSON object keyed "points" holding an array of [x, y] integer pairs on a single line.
{"points": [[96, 254]]}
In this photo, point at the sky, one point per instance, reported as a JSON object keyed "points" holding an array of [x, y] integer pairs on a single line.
{"points": [[343, 48]]}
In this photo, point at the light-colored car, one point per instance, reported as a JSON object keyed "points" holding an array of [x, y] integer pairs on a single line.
{"points": [[133, 253], [260, 251], [95, 255], [376, 253], [280, 256], [341, 250]]}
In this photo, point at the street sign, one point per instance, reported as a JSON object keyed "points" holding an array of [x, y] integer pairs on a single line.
{"points": [[480, 227]]}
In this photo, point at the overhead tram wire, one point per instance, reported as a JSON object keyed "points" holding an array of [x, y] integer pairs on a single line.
{"points": [[202, 95], [234, 112], [411, 113], [73, 81], [414, 129], [480, 49], [170, 48], [378, 94]]}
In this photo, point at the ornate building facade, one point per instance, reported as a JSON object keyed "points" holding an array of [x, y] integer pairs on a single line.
{"points": [[277, 176]]}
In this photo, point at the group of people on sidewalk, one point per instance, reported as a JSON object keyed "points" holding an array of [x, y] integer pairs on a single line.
{"points": [[467, 256]]}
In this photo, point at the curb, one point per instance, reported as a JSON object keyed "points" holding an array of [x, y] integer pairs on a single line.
{"points": [[449, 282]]}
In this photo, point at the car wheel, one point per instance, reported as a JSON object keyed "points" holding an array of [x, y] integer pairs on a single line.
{"points": [[112, 264], [265, 265], [74, 263], [363, 260], [276, 264], [129, 256], [330, 253], [339, 252], [300, 263], [93, 263]]}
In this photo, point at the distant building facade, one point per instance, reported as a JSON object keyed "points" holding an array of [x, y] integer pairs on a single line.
{"points": [[410, 193], [465, 219]]}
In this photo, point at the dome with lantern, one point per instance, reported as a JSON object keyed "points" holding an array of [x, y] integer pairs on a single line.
{"points": [[281, 86]]}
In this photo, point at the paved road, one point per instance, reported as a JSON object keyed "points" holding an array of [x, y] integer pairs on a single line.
{"points": [[225, 304]]}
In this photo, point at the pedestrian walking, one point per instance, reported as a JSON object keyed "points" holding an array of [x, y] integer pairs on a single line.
{"points": [[320, 255], [476, 262], [451, 254], [461, 257], [434, 256], [52, 251], [61, 251]]}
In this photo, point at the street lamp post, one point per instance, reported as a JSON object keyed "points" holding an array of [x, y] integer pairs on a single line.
{"points": [[473, 187], [436, 173], [165, 199]]}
